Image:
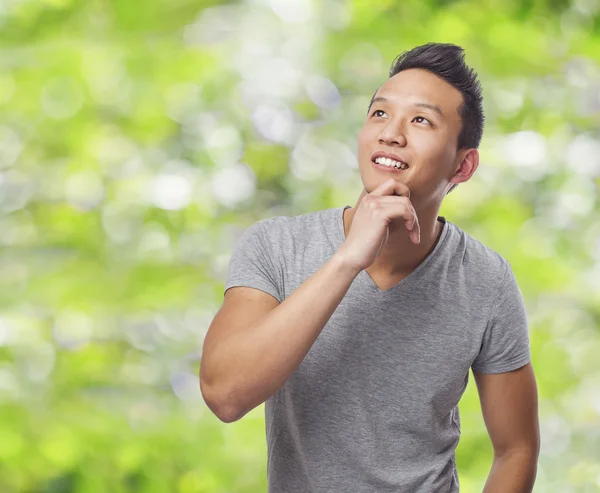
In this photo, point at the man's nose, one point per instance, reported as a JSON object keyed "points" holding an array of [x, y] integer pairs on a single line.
{"points": [[392, 134]]}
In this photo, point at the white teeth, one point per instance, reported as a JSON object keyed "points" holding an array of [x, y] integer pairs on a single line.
{"points": [[391, 162]]}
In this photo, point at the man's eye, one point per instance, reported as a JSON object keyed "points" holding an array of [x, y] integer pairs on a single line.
{"points": [[378, 111], [423, 119]]}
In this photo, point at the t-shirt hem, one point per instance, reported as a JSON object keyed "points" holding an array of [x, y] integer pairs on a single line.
{"points": [[516, 363], [263, 287]]}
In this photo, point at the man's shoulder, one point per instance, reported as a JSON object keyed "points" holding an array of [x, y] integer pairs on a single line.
{"points": [[476, 255], [284, 235], [300, 223]]}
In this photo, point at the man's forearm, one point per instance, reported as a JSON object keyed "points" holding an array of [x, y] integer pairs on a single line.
{"points": [[512, 472]]}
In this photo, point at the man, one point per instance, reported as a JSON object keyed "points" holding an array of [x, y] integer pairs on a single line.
{"points": [[358, 326]]}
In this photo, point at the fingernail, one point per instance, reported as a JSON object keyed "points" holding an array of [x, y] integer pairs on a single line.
{"points": [[419, 238]]}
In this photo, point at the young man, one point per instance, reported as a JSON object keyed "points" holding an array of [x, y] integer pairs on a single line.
{"points": [[358, 326]]}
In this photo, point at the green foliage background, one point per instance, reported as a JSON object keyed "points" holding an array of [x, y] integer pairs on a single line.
{"points": [[138, 140]]}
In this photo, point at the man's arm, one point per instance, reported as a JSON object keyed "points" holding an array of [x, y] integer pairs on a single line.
{"points": [[243, 364], [509, 404]]}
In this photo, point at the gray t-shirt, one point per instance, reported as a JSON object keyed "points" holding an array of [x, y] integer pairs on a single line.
{"points": [[373, 407]]}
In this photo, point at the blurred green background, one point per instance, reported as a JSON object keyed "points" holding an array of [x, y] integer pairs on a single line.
{"points": [[137, 142]]}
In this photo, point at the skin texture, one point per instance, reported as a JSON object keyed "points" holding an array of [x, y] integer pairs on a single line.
{"points": [[427, 142]]}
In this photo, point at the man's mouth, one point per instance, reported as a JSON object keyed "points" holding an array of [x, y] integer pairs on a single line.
{"points": [[392, 163]]}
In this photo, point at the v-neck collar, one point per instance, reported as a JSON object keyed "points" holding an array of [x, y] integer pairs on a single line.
{"points": [[363, 276]]}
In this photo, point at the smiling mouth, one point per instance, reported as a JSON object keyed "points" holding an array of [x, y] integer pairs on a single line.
{"points": [[391, 163]]}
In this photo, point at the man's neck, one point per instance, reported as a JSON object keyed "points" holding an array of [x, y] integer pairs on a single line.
{"points": [[400, 256]]}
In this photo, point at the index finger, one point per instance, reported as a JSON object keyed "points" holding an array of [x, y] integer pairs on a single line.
{"points": [[392, 187]]}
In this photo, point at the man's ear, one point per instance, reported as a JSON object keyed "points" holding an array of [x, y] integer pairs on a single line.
{"points": [[468, 165]]}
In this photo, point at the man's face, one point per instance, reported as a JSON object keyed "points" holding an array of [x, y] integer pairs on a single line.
{"points": [[425, 139]]}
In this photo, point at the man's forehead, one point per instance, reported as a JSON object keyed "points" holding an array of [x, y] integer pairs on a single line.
{"points": [[421, 85]]}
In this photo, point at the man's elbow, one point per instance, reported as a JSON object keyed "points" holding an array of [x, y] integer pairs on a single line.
{"points": [[527, 446], [529, 453], [220, 407], [227, 416]]}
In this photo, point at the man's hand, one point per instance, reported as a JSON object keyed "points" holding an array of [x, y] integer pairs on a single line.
{"points": [[369, 230]]}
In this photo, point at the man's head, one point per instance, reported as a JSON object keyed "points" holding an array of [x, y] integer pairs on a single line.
{"points": [[439, 145]]}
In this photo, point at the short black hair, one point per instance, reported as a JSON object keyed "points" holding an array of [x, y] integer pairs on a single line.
{"points": [[446, 60]]}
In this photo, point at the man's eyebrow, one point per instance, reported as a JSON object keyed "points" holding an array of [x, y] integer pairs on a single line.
{"points": [[380, 99], [431, 107]]}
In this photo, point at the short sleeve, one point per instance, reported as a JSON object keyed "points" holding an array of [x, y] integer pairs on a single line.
{"points": [[505, 345], [252, 264]]}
